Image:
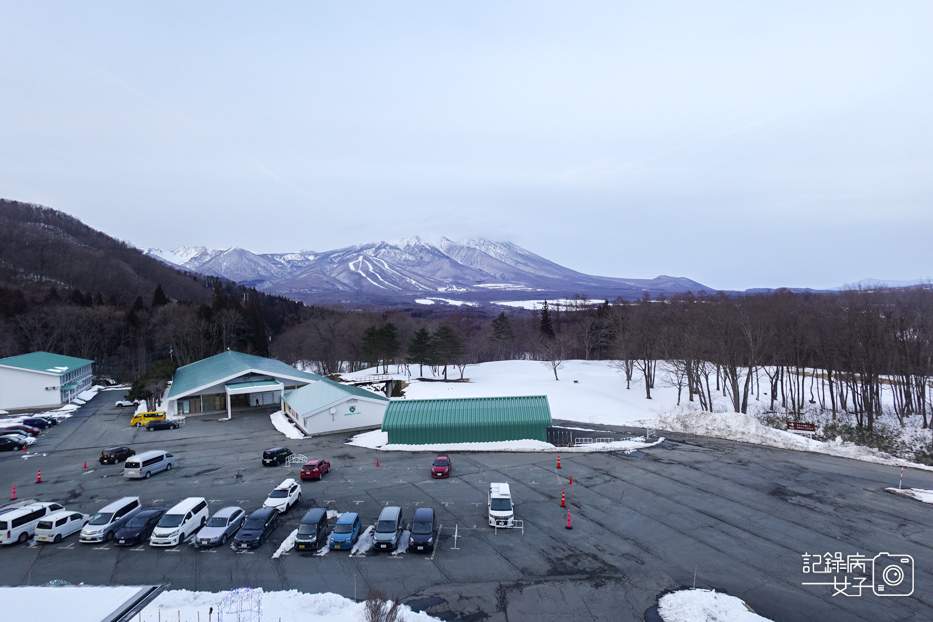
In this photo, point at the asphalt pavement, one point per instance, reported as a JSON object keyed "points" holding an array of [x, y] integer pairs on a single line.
{"points": [[734, 517]]}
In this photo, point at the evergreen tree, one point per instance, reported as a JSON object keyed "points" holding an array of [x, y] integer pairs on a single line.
{"points": [[389, 345], [547, 328], [419, 349], [159, 298], [501, 332], [447, 347]]}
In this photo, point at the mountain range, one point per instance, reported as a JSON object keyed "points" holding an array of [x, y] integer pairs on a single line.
{"points": [[416, 270]]}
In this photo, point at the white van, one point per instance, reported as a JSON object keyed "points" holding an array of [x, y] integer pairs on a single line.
{"points": [[109, 518], [60, 524], [20, 524], [501, 513], [145, 464], [180, 522]]}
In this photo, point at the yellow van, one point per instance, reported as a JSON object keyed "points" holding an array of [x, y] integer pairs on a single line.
{"points": [[144, 418]]}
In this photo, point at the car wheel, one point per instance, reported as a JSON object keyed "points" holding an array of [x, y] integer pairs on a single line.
{"points": [[138, 424], [203, 521], [223, 539], [58, 538], [150, 429], [260, 541], [22, 537], [147, 474], [299, 498], [168, 467], [108, 536]]}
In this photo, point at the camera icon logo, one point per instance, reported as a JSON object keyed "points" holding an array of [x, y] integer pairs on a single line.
{"points": [[892, 575]]}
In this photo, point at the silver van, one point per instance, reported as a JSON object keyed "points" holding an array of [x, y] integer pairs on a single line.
{"points": [[145, 464], [389, 529], [109, 518]]}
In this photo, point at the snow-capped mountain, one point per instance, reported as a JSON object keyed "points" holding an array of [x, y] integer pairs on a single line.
{"points": [[471, 270]]}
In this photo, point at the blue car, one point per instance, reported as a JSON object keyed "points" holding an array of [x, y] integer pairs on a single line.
{"points": [[346, 532]]}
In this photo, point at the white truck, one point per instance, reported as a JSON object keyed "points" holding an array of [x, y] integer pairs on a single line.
{"points": [[501, 513]]}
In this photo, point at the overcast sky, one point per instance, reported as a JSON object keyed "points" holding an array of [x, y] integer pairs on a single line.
{"points": [[740, 144]]}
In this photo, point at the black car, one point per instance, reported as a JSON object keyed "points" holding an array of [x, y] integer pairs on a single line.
{"points": [[423, 530], [162, 424], [138, 529], [38, 422], [312, 530], [113, 455], [275, 456], [9, 444], [258, 526]]}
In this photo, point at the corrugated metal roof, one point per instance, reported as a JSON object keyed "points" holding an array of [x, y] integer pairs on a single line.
{"points": [[466, 420], [322, 393], [253, 385], [47, 362], [228, 365]]}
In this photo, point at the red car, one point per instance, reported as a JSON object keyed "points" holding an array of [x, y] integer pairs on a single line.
{"points": [[25, 429], [315, 469], [441, 466]]}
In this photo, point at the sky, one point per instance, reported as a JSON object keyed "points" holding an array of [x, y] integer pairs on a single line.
{"points": [[742, 145]]}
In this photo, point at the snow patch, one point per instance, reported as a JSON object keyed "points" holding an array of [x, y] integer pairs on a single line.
{"points": [[705, 606], [287, 545], [285, 426], [926, 496], [377, 439]]}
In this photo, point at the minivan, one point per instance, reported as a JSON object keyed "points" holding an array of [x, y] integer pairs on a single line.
{"points": [[499, 506], [422, 530], [145, 464], [109, 518], [141, 419], [20, 524], [60, 524], [389, 529], [346, 532], [178, 523], [312, 530], [276, 456]]}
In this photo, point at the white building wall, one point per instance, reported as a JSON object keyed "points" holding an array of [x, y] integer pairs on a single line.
{"points": [[22, 388], [365, 414]]}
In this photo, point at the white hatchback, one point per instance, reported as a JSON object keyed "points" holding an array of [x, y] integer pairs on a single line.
{"points": [[60, 524]]}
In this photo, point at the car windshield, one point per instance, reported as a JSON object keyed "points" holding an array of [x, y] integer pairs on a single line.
{"points": [[253, 523], [500, 505], [386, 526], [278, 494], [440, 463], [171, 520], [422, 528], [217, 521], [138, 521], [307, 529], [101, 518], [343, 528]]}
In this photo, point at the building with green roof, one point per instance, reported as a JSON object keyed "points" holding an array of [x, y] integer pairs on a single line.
{"points": [[467, 420], [42, 380], [325, 406], [232, 380]]}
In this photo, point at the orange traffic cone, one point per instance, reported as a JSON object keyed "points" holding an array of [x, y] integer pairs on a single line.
{"points": [[39, 476], [569, 526], [24, 447], [563, 501], [377, 461], [571, 480], [558, 461], [13, 496], [85, 464]]}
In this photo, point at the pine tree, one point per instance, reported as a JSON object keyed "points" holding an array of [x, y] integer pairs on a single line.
{"points": [[547, 328], [447, 347], [419, 349], [158, 297], [501, 332]]}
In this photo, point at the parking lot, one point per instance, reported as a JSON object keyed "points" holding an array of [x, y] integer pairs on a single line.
{"points": [[736, 517]]}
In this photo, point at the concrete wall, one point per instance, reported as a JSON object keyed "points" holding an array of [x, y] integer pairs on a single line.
{"points": [[365, 414], [21, 388]]}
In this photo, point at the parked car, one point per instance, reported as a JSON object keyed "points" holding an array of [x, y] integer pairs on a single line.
{"points": [[258, 526], [389, 529], [423, 530], [10, 444], [139, 528], [20, 524], [162, 424], [148, 463], [312, 530], [222, 525], [51, 420], [104, 524], [315, 469], [285, 495], [37, 422], [141, 419], [183, 519], [60, 524], [113, 455], [28, 430], [276, 456], [346, 532], [441, 466], [127, 403], [20, 437]]}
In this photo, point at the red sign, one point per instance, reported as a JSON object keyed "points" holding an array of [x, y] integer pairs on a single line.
{"points": [[801, 427]]}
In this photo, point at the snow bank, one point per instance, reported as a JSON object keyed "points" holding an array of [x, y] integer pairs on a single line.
{"points": [[287, 545], [705, 606], [377, 439], [286, 427], [919, 494], [289, 606]]}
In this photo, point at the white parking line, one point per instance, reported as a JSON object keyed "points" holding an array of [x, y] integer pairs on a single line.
{"points": [[434, 550], [69, 547], [139, 548], [102, 548]]}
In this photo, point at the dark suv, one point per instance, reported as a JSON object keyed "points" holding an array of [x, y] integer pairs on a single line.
{"points": [[113, 455], [275, 456], [257, 527]]}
